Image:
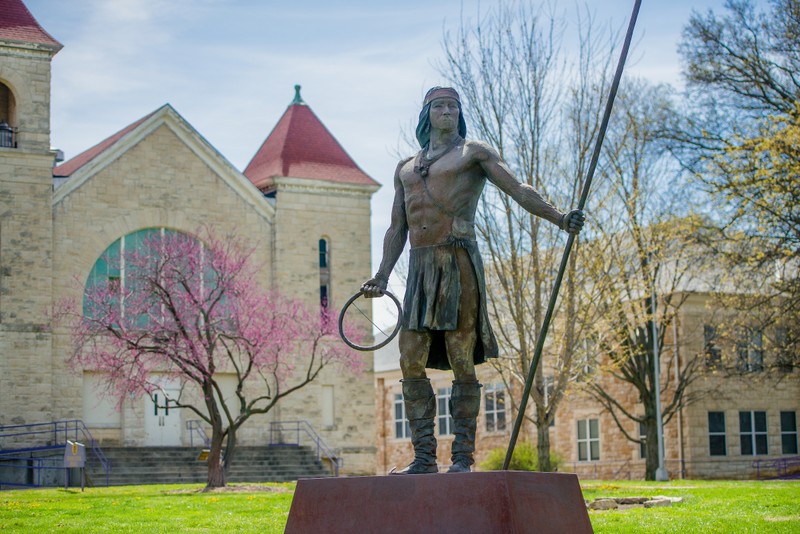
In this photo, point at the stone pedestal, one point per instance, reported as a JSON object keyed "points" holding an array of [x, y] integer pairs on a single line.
{"points": [[506, 502]]}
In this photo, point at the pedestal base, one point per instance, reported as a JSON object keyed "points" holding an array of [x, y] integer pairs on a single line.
{"points": [[505, 502]]}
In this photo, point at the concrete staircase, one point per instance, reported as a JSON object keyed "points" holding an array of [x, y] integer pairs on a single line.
{"points": [[175, 465]]}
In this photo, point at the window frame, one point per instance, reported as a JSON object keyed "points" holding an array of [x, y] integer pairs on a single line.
{"points": [[787, 434], [749, 437], [588, 440], [444, 420], [402, 429], [495, 415], [717, 434]]}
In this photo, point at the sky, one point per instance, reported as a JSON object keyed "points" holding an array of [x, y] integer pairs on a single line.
{"points": [[229, 68]]}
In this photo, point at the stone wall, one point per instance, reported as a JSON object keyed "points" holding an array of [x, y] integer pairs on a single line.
{"points": [[26, 238], [159, 182], [307, 211]]}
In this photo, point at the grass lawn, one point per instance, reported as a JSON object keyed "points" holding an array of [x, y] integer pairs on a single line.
{"points": [[707, 506]]}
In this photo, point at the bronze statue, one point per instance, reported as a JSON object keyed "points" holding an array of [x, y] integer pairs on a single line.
{"points": [[445, 323]]}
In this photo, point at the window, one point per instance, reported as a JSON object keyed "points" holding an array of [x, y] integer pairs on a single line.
{"points": [[712, 351], [495, 407], [642, 440], [323, 254], [753, 433], [443, 420], [783, 352], [324, 273], [323, 296], [8, 117], [588, 440], [124, 269], [750, 351], [402, 430], [788, 432], [717, 445]]}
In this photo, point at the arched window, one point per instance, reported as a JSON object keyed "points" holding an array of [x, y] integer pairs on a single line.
{"points": [[324, 272], [114, 273], [8, 117]]}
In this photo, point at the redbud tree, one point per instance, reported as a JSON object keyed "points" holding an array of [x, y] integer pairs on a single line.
{"points": [[193, 310]]}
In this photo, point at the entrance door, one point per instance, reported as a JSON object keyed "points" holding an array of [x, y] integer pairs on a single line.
{"points": [[162, 421]]}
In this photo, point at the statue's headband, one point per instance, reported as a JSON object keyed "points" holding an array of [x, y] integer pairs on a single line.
{"points": [[440, 92]]}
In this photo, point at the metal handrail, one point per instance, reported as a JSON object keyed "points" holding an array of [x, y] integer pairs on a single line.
{"points": [[195, 426], [627, 464], [780, 465], [298, 428], [58, 433]]}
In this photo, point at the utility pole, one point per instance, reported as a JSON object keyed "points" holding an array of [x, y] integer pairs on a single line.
{"points": [[661, 472]]}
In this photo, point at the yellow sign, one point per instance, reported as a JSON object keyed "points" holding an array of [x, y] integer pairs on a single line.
{"points": [[74, 448]]}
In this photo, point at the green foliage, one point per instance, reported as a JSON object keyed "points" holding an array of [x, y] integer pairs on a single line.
{"points": [[739, 139], [525, 458]]}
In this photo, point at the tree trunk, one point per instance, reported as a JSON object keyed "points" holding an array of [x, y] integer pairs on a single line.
{"points": [[543, 440], [230, 449], [651, 447], [543, 447], [216, 471]]}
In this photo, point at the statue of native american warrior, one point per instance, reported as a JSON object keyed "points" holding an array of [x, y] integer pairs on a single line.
{"points": [[445, 324]]}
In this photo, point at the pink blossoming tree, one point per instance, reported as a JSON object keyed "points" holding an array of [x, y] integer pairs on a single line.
{"points": [[191, 311]]}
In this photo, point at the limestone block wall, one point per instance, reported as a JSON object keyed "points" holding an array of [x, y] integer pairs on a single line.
{"points": [[25, 237], [159, 182], [25, 70], [308, 211]]}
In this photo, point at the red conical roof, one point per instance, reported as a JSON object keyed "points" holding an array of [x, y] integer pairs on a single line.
{"points": [[301, 147], [17, 24]]}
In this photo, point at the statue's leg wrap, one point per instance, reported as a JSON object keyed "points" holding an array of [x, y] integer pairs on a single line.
{"points": [[465, 403], [420, 402]]}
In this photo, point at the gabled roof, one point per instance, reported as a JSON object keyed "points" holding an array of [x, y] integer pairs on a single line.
{"points": [[89, 163], [301, 147], [17, 24], [68, 167]]}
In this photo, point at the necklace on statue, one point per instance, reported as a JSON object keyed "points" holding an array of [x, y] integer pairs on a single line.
{"points": [[423, 163]]}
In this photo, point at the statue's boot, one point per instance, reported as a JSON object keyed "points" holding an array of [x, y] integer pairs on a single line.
{"points": [[465, 403], [420, 404]]}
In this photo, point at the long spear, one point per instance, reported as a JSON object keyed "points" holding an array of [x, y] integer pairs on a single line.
{"points": [[537, 355]]}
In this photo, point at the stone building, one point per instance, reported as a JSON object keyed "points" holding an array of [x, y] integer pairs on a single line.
{"points": [[302, 200], [742, 425]]}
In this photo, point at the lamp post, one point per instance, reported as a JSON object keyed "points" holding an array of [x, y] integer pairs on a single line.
{"points": [[661, 472]]}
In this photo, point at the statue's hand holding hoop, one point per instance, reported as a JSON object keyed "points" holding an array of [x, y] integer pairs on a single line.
{"points": [[373, 288]]}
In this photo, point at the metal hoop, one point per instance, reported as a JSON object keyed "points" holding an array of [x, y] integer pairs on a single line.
{"points": [[382, 343]]}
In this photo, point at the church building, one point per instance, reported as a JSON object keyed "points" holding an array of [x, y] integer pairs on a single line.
{"points": [[302, 201]]}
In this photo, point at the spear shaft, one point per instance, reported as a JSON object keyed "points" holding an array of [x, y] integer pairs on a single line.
{"points": [[537, 355]]}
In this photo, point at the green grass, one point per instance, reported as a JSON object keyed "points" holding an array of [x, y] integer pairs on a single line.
{"points": [[707, 507], [159, 508]]}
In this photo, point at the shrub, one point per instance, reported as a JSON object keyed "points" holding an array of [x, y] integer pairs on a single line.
{"points": [[525, 458]]}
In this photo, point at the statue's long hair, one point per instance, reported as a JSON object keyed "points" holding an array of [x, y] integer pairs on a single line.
{"points": [[424, 125]]}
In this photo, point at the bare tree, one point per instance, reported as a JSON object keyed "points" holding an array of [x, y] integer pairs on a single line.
{"points": [[540, 109], [649, 237]]}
